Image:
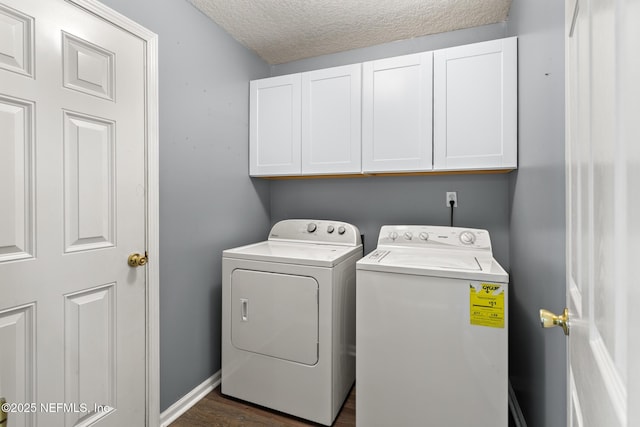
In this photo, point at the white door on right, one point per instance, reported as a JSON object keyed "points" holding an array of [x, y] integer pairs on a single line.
{"points": [[475, 106], [602, 45]]}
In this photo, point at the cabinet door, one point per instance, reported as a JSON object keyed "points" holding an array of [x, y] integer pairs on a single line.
{"points": [[397, 113], [475, 106], [274, 140], [331, 120]]}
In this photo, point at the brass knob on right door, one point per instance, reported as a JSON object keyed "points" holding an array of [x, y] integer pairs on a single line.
{"points": [[549, 320]]}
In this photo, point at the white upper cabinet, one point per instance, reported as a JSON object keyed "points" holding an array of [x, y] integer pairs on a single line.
{"points": [[306, 123], [331, 120], [448, 110], [274, 136], [475, 106], [397, 114]]}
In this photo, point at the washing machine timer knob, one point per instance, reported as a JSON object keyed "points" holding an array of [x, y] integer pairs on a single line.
{"points": [[424, 236], [467, 238], [408, 235], [341, 230], [330, 229], [311, 227], [393, 235]]}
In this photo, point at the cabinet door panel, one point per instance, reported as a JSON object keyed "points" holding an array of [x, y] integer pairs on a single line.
{"points": [[397, 114], [475, 106], [274, 141], [331, 120]]}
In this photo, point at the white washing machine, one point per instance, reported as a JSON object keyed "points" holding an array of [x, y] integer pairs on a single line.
{"points": [[431, 330], [288, 318]]}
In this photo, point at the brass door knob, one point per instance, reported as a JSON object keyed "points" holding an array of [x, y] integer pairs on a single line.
{"points": [[549, 320], [137, 260]]}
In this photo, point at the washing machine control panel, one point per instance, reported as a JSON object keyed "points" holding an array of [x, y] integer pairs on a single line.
{"points": [[434, 237], [320, 231]]}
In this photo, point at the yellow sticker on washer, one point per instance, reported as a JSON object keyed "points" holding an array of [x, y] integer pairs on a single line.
{"points": [[486, 304]]}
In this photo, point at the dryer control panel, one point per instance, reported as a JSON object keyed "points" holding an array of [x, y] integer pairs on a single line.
{"points": [[316, 231], [435, 237]]}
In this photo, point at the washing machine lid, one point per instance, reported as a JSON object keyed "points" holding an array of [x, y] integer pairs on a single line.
{"points": [[452, 264], [319, 255]]}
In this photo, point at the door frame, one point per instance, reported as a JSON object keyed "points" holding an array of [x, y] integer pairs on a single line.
{"points": [[152, 327]]}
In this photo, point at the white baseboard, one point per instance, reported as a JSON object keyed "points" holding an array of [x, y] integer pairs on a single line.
{"points": [[188, 400]]}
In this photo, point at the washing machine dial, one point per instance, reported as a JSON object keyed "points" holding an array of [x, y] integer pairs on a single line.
{"points": [[424, 236], [341, 230], [467, 238], [393, 235], [311, 227], [330, 229], [408, 235]]}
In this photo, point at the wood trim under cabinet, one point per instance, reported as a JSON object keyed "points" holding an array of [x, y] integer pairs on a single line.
{"points": [[371, 174]]}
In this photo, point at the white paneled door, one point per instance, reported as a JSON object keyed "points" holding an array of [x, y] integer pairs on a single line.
{"points": [[72, 209], [603, 212]]}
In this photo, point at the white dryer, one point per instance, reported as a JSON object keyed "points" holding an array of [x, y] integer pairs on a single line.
{"points": [[431, 328], [288, 318]]}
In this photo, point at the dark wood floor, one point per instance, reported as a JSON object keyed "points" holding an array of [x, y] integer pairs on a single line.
{"points": [[216, 410]]}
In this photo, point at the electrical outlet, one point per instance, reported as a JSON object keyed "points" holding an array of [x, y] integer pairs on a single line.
{"points": [[452, 195]]}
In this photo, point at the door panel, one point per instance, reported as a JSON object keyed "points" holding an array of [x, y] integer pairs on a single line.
{"points": [[89, 172], [17, 46], [17, 232], [87, 67], [90, 356], [17, 353]]}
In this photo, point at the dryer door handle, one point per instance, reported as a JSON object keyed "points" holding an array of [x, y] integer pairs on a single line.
{"points": [[244, 309]]}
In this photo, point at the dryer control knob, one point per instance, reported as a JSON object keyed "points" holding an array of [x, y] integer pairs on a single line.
{"points": [[424, 236], [330, 229], [393, 235], [467, 238], [408, 235], [341, 230], [311, 227]]}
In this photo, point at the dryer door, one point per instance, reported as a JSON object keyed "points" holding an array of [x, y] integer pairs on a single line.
{"points": [[275, 315]]}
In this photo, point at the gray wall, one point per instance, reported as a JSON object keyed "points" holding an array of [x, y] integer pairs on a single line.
{"points": [[372, 202], [207, 200], [208, 203], [369, 203], [537, 226]]}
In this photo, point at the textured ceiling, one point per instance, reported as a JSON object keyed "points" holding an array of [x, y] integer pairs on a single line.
{"points": [[287, 30]]}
